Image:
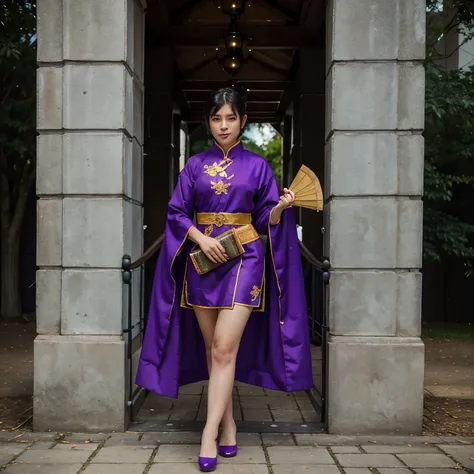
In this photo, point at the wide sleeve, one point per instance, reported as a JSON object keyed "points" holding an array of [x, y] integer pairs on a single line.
{"points": [[266, 198], [161, 343], [181, 205]]}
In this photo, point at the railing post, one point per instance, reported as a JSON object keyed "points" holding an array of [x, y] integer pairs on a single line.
{"points": [[324, 330], [313, 303], [127, 279]]}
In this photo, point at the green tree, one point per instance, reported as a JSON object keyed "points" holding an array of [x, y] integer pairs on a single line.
{"points": [[271, 147], [17, 139], [449, 139]]}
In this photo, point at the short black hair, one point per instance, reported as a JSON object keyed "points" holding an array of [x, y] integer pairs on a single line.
{"points": [[226, 95]]}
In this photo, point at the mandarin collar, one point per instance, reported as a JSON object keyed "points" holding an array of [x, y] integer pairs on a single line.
{"points": [[234, 150]]}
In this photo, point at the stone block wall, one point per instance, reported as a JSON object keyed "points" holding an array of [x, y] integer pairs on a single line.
{"points": [[373, 220], [90, 162]]}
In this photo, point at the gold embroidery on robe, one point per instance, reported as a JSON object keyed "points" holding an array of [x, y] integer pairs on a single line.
{"points": [[255, 292], [220, 187], [219, 169]]}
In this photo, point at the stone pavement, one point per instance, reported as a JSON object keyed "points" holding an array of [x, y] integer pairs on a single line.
{"points": [[250, 403], [173, 452]]}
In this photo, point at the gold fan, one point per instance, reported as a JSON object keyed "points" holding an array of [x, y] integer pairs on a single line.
{"points": [[307, 189]]}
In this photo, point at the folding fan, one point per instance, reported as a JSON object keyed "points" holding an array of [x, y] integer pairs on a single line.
{"points": [[307, 189]]}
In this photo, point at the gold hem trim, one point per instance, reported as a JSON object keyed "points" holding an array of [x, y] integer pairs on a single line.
{"points": [[276, 274], [219, 307], [171, 271]]}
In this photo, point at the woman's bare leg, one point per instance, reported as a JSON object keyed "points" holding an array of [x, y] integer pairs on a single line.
{"points": [[207, 319], [225, 345]]}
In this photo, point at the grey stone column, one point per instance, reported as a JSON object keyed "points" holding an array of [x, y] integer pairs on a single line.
{"points": [[374, 177], [90, 124]]}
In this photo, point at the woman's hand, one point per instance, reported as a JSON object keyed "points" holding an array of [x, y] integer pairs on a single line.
{"points": [[213, 249], [287, 199]]}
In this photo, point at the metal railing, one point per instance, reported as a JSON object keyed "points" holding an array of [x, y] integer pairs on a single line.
{"points": [[316, 277], [135, 327]]}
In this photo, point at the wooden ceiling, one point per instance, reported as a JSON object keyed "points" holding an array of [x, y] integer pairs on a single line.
{"points": [[276, 29]]}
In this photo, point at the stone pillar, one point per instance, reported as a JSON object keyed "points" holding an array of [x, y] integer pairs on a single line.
{"points": [[374, 178], [90, 124]]}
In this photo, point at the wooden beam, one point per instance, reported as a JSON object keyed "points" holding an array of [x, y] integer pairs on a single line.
{"points": [[283, 10], [279, 63], [260, 36], [198, 66], [180, 14], [267, 65], [209, 85]]}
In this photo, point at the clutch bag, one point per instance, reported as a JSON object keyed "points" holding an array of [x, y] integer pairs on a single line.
{"points": [[233, 242]]}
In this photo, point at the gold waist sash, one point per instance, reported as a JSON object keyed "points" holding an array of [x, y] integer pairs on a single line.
{"points": [[219, 219]]}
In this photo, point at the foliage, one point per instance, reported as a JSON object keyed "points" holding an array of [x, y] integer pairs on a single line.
{"points": [[17, 132], [270, 147], [17, 106], [449, 142]]}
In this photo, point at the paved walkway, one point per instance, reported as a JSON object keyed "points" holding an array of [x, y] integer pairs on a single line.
{"points": [[170, 453], [249, 403]]}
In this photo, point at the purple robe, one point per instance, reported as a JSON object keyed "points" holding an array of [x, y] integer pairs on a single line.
{"points": [[275, 350]]}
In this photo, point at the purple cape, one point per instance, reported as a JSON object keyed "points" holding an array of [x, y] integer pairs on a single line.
{"points": [[275, 348]]}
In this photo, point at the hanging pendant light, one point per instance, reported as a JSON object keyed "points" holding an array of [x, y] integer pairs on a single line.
{"points": [[232, 65], [234, 8], [232, 51]]}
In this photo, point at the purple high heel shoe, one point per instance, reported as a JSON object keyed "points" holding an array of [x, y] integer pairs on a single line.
{"points": [[228, 451], [207, 464]]}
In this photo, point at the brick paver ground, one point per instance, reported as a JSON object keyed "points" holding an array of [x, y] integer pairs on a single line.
{"points": [[268, 453], [250, 403]]}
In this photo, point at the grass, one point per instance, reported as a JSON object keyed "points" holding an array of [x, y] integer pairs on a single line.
{"points": [[448, 330]]}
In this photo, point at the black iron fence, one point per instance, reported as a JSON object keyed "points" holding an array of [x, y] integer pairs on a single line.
{"points": [[316, 278], [134, 275], [136, 316]]}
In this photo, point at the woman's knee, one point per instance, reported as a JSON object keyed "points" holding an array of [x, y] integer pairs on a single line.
{"points": [[222, 352]]}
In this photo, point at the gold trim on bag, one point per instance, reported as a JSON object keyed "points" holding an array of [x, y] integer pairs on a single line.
{"points": [[232, 240]]}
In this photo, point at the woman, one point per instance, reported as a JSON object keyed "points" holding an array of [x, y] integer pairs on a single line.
{"points": [[245, 319]]}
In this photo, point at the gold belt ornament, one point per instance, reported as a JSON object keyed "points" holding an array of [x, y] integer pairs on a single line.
{"points": [[219, 219]]}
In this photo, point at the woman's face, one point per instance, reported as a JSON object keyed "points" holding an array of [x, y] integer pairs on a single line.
{"points": [[225, 126]]}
